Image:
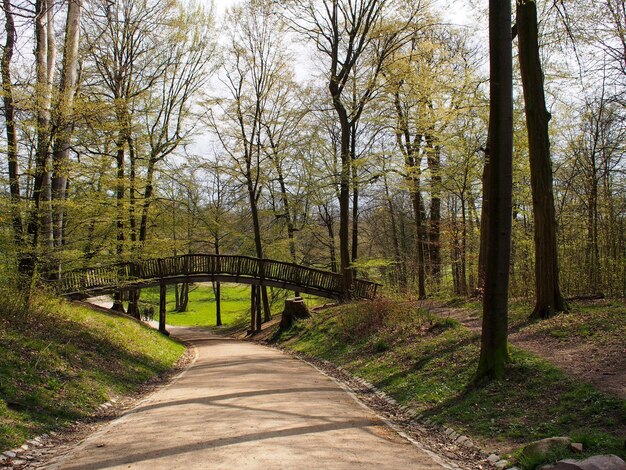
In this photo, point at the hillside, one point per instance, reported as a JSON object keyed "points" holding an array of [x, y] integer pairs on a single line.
{"points": [[426, 361], [60, 361]]}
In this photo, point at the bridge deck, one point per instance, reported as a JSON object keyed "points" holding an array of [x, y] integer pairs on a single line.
{"points": [[206, 267]]}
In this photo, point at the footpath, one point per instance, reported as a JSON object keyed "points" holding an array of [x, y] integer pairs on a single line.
{"points": [[241, 405]]}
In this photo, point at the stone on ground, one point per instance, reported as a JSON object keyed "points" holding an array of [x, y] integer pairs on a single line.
{"points": [[597, 462], [539, 450]]}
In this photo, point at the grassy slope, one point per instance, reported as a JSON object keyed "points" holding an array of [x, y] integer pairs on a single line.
{"points": [[428, 363], [60, 361], [601, 323]]}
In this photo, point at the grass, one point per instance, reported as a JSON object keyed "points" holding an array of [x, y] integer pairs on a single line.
{"points": [[601, 322], [59, 362], [428, 363], [201, 307], [235, 304]]}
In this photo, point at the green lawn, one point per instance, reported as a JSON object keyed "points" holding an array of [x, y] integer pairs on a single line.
{"points": [[235, 305], [59, 362]]}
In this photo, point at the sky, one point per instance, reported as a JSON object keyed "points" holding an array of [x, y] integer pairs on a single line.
{"points": [[456, 11], [221, 5]]}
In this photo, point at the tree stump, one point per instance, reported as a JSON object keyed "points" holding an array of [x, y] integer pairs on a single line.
{"points": [[295, 309]]}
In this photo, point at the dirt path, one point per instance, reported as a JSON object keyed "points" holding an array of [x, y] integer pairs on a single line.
{"points": [[243, 405], [604, 368]]}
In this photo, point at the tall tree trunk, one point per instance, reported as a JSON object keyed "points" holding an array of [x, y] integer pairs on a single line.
{"points": [[434, 227], [484, 223], [90, 250], [291, 230], [420, 232], [404, 241], [135, 247], [132, 194], [118, 304], [355, 198], [593, 255], [11, 135], [463, 251], [39, 218], [61, 150], [256, 224], [44, 139], [548, 300], [217, 288], [454, 229], [345, 255], [410, 150], [494, 352], [147, 201], [344, 191], [473, 223], [327, 218], [399, 268]]}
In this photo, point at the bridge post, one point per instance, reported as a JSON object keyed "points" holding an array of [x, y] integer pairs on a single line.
{"points": [[133, 294], [162, 307], [261, 296], [256, 319], [252, 308]]}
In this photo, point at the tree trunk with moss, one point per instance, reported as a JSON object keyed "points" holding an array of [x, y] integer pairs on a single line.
{"points": [[494, 347]]}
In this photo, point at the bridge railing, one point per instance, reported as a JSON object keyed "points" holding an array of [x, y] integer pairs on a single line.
{"points": [[126, 274]]}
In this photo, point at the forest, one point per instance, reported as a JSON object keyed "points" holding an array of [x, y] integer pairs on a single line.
{"points": [[347, 135], [451, 175]]}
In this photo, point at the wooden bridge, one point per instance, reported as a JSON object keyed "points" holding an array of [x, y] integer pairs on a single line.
{"points": [[88, 282]]}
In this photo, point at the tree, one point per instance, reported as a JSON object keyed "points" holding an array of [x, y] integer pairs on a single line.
{"points": [[410, 147], [11, 134], [592, 204], [429, 83], [38, 222], [549, 299], [63, 119], [127, 61], [281, 119], [494, 346], [460, 182], [216, 210], [166, 109], [256, 64], [350, 34], [147, 62]]}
